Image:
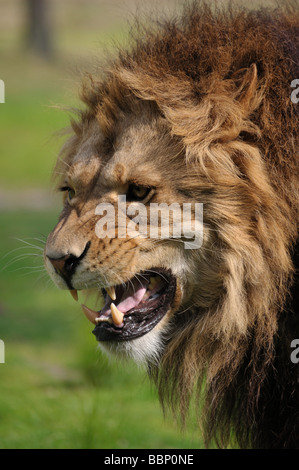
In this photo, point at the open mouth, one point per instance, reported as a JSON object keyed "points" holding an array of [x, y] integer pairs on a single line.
{"points": [[133, 308]]}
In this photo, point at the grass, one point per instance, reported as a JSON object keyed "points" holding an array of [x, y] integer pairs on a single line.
{"points": [[28, 150]]}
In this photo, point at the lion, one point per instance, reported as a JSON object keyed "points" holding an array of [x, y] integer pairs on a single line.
{"points": [[197, 109]]}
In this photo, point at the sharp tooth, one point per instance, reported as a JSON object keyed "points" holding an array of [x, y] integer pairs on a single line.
{"points": [[74, 294], [117, 316], [111, 292], [146, 295], [90, 314], [152, 283]]}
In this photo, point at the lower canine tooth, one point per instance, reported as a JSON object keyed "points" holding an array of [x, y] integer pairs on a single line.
{"points": [[117, 316], [90, 314]]}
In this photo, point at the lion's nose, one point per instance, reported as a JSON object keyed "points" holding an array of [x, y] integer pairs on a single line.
{"points": [[66, 265]]}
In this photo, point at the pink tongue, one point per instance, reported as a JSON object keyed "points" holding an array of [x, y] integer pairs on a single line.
{"points": [[128, 302], [130, 298]]}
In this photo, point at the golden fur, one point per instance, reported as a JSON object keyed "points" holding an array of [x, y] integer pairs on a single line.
{"points": [[200, 108]]}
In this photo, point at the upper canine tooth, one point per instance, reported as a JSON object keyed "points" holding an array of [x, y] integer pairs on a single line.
{"points": [[146, 295], [153, 282], [90, 314], [74, 294], [111, 292], [117, 315]]}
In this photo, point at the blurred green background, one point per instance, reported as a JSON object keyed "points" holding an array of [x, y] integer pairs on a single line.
{"points": [[57, 390]]}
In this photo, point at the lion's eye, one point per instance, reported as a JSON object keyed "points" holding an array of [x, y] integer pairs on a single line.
{"points": [[138, 193], [70, 192]]}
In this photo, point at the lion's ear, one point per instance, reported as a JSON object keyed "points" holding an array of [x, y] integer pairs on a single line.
{"points": [[246, 94]]}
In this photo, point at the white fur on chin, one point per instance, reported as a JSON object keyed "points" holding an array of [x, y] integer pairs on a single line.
{"points": [[142, 350]]}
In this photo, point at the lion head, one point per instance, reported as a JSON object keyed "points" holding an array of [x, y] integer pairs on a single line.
{"points": [[197, 112]]}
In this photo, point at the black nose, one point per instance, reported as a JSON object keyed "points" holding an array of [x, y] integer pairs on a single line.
{"points": [[66, 265]]}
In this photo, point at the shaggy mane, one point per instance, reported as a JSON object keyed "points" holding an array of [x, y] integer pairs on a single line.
{"points": [[221, 78]]}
